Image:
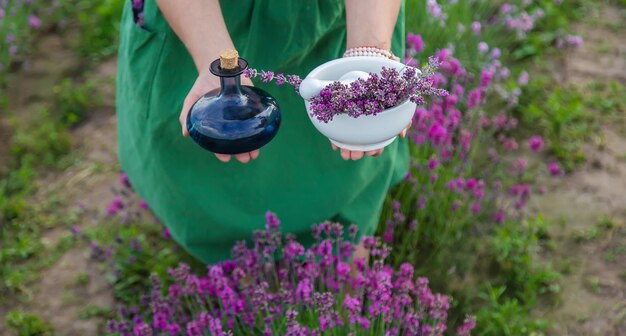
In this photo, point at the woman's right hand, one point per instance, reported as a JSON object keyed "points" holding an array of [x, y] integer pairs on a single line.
{"points": [[205, 83], [201, 27]]}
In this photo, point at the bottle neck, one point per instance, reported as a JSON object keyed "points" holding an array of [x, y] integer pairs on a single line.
{"points": [[230, 85]]}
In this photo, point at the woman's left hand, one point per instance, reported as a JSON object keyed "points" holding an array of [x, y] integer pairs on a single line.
{"points": [[347, 154]]}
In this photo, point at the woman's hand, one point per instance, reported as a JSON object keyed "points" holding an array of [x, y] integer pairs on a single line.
{"points": [[201, 27], [205, 83], [370, 23], [357, 155]]}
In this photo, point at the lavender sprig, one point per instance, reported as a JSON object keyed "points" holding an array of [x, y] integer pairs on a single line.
{"points": [[369, 96]]}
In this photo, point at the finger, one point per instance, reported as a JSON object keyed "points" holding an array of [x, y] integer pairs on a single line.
{"points": [[255, 154], [406, 130], [223, 157], [356, 155], [378, 152], [246, 81], [334, 146], [345, 154], [187, 104], [243, 158], [372, 152]]}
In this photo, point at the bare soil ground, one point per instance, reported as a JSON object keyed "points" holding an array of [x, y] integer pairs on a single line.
{"points": [[74, 284], [590, 204]]}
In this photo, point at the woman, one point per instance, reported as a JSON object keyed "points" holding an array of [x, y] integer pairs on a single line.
{"points": [[208, 201]]}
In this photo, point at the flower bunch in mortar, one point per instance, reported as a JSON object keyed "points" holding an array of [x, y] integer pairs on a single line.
{"points": [[365, 95]]}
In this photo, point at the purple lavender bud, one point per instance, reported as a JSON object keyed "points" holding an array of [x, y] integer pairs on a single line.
{"points": [[536, 143], [483, 47], [124, 181], [115, 206], [266, 76], [554, 169], [34, 22], [476, 27], [280, 79], [352, 231], [523, 79], [250, 73], [271, 221]]}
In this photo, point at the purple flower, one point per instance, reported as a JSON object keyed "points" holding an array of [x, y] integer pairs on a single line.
{"points": [[519, 166], [415, 41], [124, 181], [474, 98], [266, 76], [495, 53], [34, 22], [138, 4], [523, 79], [554, 169], [485, 78], [483, 47], [536, 143], [166, 234], [142, 329], [253, 292], [271, 221], [476, 27], [143, 204], [506, 8], [437, 134], [499, 217], [173, 329], [115, 206], [159, 321], [574, 40], [467, 326], [370, 96], [433, 163]]}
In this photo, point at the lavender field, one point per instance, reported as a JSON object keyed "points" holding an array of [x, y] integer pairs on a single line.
{"points": [[511, 220]]}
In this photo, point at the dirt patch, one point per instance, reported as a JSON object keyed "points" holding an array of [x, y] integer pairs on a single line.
{"points": [[603, 55], [69, 289], [53, 61], [588, 207], [589, 215], [65, 292]]}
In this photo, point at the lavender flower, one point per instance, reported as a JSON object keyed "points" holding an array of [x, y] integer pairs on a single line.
{"points": [[34, 22], [365, 97], [415, 42], [375, 94], [305, 292], [536, 143]]}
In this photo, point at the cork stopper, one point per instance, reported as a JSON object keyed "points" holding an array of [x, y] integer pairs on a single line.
{"points": [[229, 59]]}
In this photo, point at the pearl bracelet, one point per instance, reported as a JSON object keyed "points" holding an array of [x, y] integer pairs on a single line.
{"points": [[370, 51]]}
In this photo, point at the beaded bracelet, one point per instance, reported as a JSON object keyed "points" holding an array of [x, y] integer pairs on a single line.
{"points": [[370, 51]]}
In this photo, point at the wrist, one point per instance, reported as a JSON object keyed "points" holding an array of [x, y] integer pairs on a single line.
{"points": [[370, 51], [370, 42]]}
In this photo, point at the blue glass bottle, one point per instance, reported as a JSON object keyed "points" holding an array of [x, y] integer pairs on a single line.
{"points": [[235, 118]]}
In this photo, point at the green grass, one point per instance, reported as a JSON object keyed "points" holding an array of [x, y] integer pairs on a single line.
{"points": [[26, 324]]}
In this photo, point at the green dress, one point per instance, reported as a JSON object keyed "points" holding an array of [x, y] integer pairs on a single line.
{"points": [[208, 205]]}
